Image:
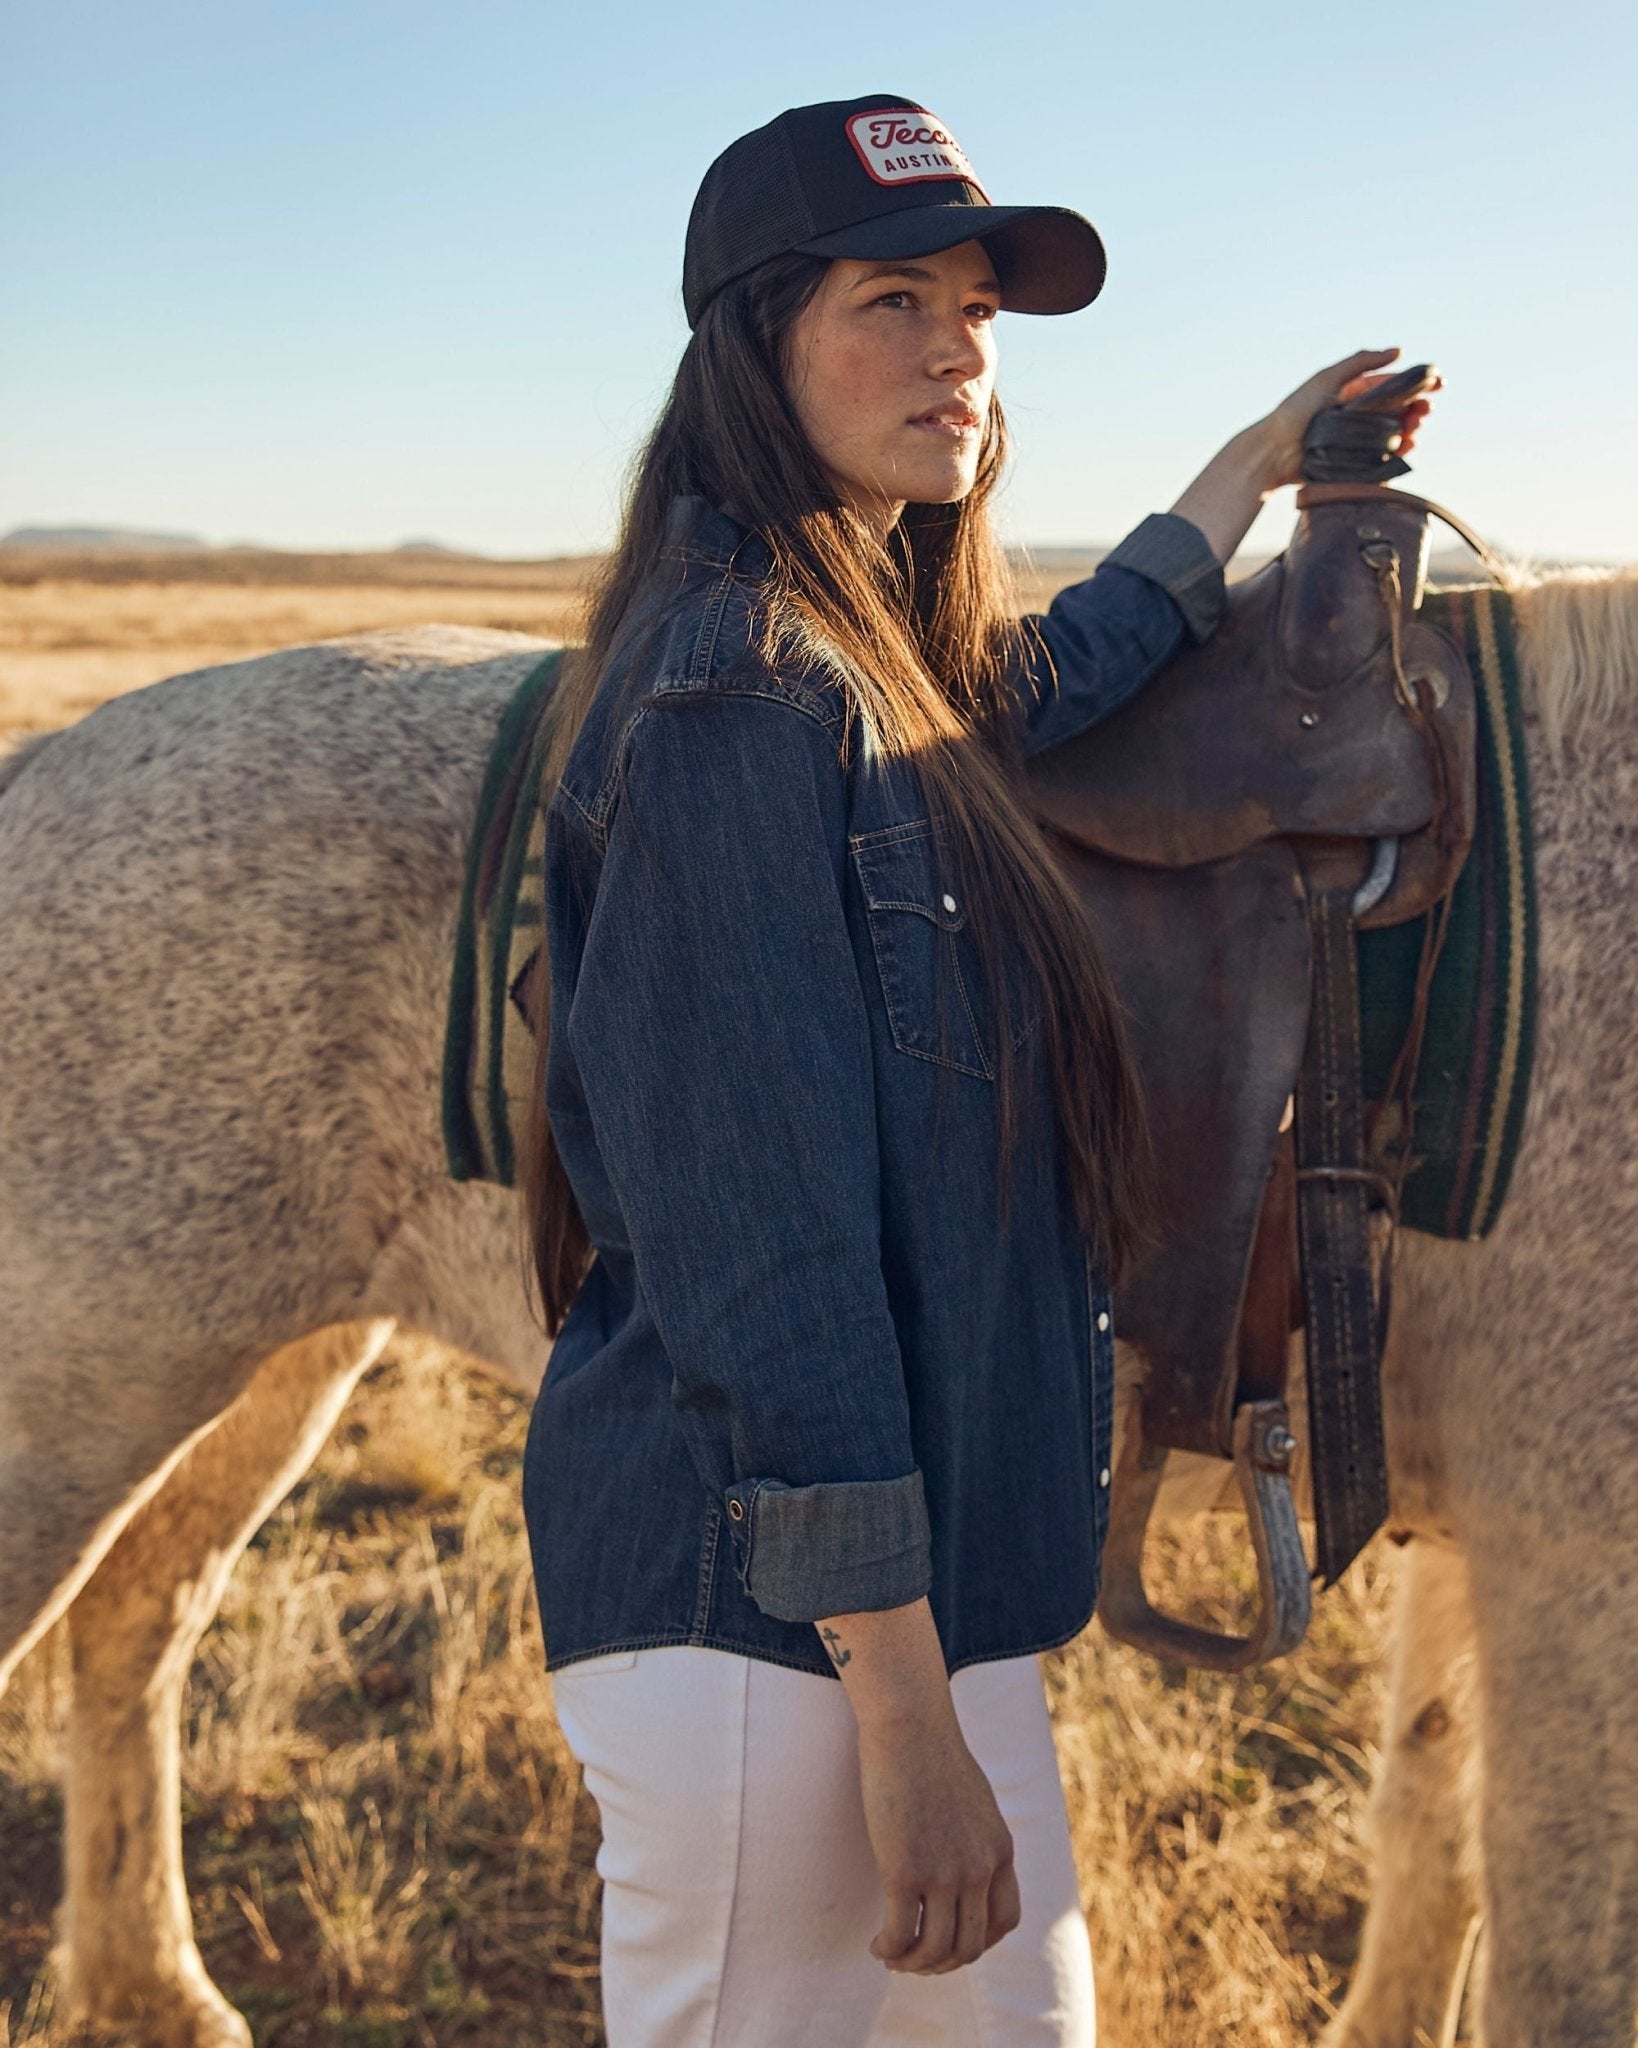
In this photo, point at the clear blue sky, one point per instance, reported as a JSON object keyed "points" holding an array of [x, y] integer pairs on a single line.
{"points": [[342, 272]]}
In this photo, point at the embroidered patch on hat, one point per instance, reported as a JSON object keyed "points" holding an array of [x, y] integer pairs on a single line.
{"points": [[907, 146]]}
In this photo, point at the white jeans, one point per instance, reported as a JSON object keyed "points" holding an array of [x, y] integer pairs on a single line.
{"points": [[739, 1890]]}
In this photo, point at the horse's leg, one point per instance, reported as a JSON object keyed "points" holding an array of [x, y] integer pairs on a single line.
{"points": [[1422, 1900], [1559, 1801], [127, 1955], [63, 1502]]}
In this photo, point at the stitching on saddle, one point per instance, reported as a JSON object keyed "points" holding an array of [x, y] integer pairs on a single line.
{"points": [[1340, 1201], [1335, 1196]]}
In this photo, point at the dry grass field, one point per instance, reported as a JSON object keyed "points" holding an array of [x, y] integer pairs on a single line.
{"points": [[387, 1843], [78, 627]]}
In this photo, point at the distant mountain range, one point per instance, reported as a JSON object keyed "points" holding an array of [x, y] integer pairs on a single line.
{"points": [[136, 539], [97, 537]]}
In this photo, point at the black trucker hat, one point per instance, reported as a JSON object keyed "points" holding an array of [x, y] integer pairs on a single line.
{"points": [[876, 177]]}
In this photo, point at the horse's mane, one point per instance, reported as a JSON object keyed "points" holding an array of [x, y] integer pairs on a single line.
{"points": [[1578, 641]]}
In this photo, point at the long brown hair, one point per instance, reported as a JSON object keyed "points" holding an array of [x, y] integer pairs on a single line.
{"points": [[923, 633]]}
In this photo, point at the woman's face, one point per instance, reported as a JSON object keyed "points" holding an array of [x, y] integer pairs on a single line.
{"points": [[891, 367]]}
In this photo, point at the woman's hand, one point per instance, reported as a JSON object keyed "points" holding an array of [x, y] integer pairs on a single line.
{"points": [[1229, 492], [942, 1849], [1284, 428]]}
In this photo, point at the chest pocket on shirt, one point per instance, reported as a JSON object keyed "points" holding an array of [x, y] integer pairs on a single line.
{"points": [[931, 975]]}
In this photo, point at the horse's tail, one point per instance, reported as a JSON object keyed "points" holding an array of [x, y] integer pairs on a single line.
{"points": [[13, 764]]}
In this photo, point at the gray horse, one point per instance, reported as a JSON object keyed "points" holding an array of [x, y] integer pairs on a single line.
{"points": [[227, 907]]}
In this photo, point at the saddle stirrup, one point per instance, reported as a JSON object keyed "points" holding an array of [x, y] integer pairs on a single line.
{"points": [[1263, 1444]]}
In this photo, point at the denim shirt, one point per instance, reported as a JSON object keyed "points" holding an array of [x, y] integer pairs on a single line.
{"points": [[806, 1372]]}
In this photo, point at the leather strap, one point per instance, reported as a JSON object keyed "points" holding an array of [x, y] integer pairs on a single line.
{"points": [[1273, 1303], [1334, 1189], [1342, 494]]}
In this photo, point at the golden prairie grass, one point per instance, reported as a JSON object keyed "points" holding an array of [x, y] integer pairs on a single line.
{"points": [[387, 1842], [76, 628]]}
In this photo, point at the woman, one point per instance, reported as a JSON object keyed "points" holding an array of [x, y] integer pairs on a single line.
{"points": [[832, 1086]]}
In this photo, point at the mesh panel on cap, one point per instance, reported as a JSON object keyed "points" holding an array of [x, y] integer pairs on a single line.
{"points": [[750, 207]]}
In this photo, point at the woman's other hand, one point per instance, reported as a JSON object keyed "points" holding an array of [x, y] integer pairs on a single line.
{"points": [[1285, 427], [942, 1849]]}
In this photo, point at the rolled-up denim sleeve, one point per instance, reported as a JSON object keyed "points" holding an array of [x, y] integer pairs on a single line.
{"points": [[1102, 639], [719, 1026]]}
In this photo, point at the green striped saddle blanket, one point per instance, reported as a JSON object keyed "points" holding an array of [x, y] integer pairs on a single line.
{"points": [[1474, 1075], [489, 1046], [1473, 1078]]}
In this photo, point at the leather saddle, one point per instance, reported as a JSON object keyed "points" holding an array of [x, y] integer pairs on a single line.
{"points": [[1309, 770]]}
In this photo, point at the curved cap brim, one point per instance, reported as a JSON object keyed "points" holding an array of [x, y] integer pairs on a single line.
{"points": [[1048, 259]]}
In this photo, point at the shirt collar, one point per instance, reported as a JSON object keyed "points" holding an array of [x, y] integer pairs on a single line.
{"points": [[696, 530]]}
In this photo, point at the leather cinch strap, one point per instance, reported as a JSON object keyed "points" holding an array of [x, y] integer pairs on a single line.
{"points": [[1334, 1186]]}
